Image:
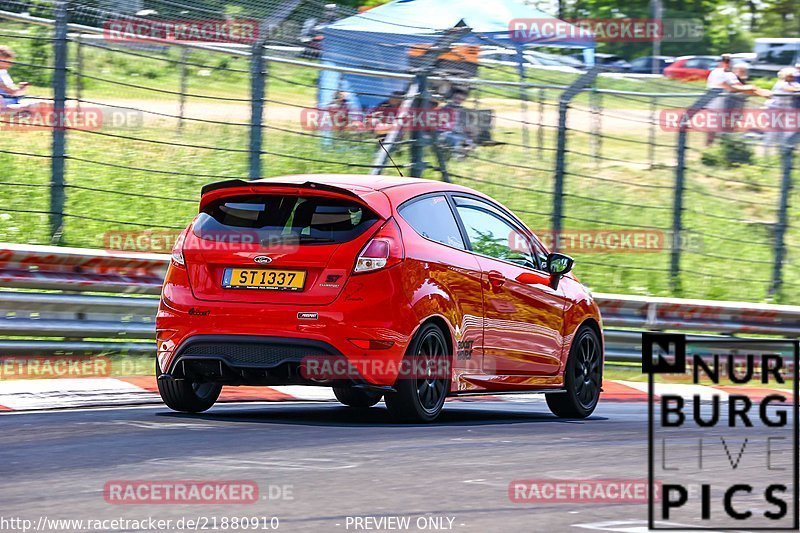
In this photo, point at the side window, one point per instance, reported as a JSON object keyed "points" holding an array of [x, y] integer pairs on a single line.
{"points": [[492, 235], [432, 218]]}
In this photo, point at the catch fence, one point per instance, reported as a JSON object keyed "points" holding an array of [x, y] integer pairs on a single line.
{"points": [[586, 159]]}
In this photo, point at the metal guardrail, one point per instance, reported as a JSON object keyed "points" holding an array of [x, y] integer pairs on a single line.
{"points": [[75, 300]]}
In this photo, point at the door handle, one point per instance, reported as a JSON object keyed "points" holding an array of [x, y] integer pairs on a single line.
{"points": [[496, 279]]}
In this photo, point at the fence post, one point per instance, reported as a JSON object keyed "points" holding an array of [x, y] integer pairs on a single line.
{"points": [[584, 81], [183, 86], [680, 177], [417, 137], [787, 162], [596, 107], [651, 145], [60, 44], [256, 109], [540, 130], [523, 97], [79, 70]]}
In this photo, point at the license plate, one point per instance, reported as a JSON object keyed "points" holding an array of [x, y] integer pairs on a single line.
{"points": [[277, 280]]}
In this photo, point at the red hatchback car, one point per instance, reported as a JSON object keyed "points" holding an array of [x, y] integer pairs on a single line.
{"points": [[691, 68], [404, 289]]}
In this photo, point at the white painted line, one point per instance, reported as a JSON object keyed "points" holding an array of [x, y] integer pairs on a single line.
{"points": [[302, 392], [637, 526], [685, 391], [26, 394]]}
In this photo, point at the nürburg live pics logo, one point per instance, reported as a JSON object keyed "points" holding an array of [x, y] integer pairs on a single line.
{"points": [[722, 432]]}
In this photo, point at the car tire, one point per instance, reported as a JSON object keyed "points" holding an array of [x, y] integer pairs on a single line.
{"points": [[357, 398], [419, 399], [583, 377], [187, 396]]}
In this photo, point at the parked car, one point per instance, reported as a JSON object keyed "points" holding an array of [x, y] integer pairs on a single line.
{"points": [[644, 65], [508, 57], [691, 68], [609, 62], [415, 290], [775, 54]]}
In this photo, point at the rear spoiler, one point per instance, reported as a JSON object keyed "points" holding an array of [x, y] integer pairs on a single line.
{"points": [[230, 184]]}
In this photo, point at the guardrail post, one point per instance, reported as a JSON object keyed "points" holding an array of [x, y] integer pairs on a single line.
{"points": [[680, 177], [787, 164], [60, 52], [256, 109], [584, 81]]}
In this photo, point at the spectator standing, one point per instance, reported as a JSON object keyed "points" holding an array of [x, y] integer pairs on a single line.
{"points": [[782, 101], [723, 77]]}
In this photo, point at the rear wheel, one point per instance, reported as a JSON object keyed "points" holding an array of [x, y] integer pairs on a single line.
{"points": [[187, 396], [357, 398], [420, 396], [583, 377]]}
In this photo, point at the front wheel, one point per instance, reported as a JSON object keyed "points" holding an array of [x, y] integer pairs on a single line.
{"points": [[187, 396], [420, 396], [583, 377]]}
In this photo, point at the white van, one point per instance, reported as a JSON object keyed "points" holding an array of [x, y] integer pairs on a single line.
{"points": [[773, 54]]}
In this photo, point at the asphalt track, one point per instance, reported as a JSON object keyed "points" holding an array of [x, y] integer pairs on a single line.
{"points": [[336, 462]]}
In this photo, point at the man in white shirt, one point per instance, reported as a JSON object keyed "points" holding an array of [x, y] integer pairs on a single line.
{"points": [[724, 78]]}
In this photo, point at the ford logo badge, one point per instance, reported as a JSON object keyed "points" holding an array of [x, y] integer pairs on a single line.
{"points": [[262, 259]]}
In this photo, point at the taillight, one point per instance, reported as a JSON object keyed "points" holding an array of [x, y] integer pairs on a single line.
{"points": [[384, 250], [177, 249]]}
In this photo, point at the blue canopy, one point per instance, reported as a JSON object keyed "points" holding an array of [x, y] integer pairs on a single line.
{"points": [[380, 39]]}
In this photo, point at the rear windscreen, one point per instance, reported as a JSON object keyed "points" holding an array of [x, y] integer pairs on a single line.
{"points": [[307, 219]]}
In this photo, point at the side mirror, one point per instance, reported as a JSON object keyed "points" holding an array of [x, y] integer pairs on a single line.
{"points": [[557, 266]]}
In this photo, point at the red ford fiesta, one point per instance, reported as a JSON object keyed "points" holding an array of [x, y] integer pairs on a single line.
{"points": [[403, 289]]}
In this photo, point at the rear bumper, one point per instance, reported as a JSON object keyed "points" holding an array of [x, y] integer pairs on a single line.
{"points": [[243, 359], [254, 339]]}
